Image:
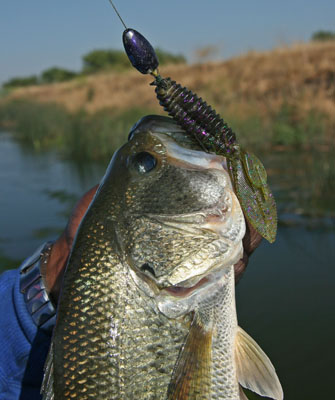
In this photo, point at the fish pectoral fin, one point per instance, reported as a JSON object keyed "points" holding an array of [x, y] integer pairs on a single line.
{"points": [[191, 379], [254, 369], [47, 390]]}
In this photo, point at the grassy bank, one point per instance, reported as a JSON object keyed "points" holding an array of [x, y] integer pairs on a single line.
{"points": [[279, 103], [297, 149], [95, 136], [302, 75], [79, 135], [280, 98]]}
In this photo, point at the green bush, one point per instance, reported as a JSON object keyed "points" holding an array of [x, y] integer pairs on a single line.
{"points": [[94, 61], [165, 57], [19, 82], [98, 60], [322, 36], [56, 74]]}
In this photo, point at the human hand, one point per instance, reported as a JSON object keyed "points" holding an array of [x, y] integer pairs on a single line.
{"points": [[251, 241], [61, 248]]}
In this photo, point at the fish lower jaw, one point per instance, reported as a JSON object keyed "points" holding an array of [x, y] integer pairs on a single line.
{"points": [[183, 291], [175, 301]]}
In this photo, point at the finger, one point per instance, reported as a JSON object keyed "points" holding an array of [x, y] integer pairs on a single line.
{"points": [[77, 214], [55, 267], [251, 239]]}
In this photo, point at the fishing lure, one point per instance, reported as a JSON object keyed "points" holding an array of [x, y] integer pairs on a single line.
{"points": [[199, 119]]}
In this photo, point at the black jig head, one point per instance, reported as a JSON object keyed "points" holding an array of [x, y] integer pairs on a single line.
{"points": [[139, 51]]}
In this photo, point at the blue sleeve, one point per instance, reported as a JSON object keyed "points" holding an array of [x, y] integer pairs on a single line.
{"points": [[23, 347]]}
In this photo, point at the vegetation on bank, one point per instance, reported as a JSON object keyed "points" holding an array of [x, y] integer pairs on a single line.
{"points": [[86, 136], [116, 60], [279, 103], [21, 82], [80, 136], [93, 62], [299, 160], [322, 36]]}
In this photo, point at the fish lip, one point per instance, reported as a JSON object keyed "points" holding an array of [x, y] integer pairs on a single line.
{"points": [[175, 303], [182, 291]]}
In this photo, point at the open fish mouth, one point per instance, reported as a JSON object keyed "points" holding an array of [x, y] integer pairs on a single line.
{"points": [[179, 299], [186, 288], [181, 291]]}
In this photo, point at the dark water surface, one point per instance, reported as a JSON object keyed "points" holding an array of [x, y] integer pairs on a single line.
{"points": [[286, 300], [38, 191]]}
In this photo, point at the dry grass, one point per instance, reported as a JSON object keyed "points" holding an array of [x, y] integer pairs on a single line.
{"points": [[254, 84]]}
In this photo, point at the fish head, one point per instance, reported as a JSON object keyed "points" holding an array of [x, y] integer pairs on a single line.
{"points": [[177, 220]]}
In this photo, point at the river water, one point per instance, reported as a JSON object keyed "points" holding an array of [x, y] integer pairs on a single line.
{"points": [[285, 300]]}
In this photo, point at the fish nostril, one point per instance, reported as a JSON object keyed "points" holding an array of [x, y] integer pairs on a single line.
{"points": [[147, 267]]}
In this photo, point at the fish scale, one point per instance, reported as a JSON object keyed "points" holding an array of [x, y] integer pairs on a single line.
{"points": [[224, 378], [114, 331], [127, 358]]}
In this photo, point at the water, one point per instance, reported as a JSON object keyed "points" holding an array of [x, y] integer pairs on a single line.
{"points": [[286, 303], [285, 300], [38, 192]]}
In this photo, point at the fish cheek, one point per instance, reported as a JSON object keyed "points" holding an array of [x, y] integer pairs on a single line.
{"points": [[165, 191]]}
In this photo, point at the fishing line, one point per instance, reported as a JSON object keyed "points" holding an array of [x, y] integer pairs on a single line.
{"points": [[117, 13]]}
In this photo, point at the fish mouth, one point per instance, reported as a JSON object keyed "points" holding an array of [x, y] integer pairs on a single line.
{"points": [[182, 148], [182, 291], [178, 300]]}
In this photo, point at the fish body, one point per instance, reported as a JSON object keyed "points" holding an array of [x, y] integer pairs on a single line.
{"points": [[147, 309]]}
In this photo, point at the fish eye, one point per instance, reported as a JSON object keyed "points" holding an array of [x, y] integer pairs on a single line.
{"points": [[143, 162]]}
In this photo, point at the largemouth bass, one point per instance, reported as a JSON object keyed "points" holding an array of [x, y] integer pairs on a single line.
{"points": [[147, 309]]}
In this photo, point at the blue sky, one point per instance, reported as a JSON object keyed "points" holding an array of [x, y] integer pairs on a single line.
{"points": [[38, 34]]}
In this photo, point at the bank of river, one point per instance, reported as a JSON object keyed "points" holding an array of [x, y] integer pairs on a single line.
{"points": [[285, 300]]}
